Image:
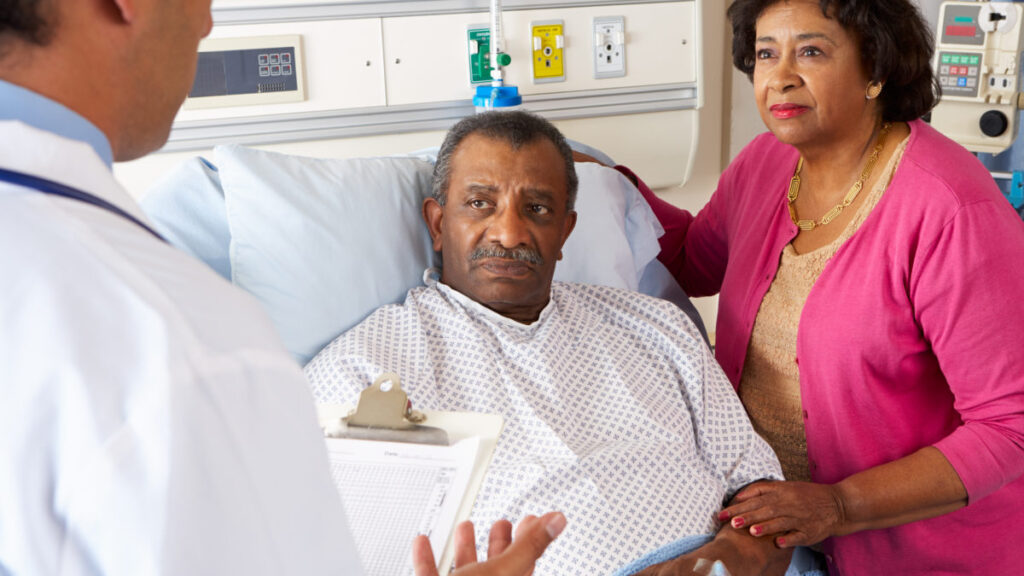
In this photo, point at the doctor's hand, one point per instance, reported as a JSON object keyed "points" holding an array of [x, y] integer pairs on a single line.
{"points": [[505, 557], [794, 513]]}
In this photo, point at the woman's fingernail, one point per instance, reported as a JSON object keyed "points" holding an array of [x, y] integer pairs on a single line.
{"points": [[781, 542], [756, 530], [555, 526], [723, 515], [738, 522]]}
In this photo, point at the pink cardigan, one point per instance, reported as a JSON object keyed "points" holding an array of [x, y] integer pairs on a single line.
{"points": [[912, 336]]}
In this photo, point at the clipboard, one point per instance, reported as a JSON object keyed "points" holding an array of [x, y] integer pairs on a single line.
{"points": [[384, 422]]}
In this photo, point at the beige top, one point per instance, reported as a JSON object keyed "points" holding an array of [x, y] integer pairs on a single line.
{"points": [[770, 384]]}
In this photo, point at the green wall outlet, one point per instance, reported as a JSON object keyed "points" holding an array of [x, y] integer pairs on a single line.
{"points": [[479, 39]]}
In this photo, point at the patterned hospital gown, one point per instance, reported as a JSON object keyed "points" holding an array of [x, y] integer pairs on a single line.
{"points": [[615, 412]]}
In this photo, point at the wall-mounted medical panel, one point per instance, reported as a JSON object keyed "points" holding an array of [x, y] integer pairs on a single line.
{"points": [[426, 55], [248, 71], [407, 73], [341, 67]]}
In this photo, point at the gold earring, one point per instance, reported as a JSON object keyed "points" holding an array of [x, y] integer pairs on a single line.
{"points": [[874, 89]]}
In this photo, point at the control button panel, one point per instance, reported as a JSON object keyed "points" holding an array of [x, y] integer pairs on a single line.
{"points": [[247, 71], [959, 73]]}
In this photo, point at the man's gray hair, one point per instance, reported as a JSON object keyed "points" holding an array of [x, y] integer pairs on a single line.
{"points": [[517, 128]]}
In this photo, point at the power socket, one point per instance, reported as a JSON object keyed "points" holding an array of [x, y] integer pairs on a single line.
{"points": [[609, 47]]}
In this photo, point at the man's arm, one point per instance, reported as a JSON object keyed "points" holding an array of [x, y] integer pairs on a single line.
{"points": [[741, 553]]}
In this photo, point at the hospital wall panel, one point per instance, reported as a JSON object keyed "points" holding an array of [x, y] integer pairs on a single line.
{"points": [[665, 118], [427, 56], [343, 62], [402, 79]]}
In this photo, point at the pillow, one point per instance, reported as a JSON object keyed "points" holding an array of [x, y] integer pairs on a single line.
{"points": [[616, 234], [187, 208], [322, 243]]}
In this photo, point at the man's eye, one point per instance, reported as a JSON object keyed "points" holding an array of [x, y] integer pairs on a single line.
{"points": [[540, 209], [478, 204]]}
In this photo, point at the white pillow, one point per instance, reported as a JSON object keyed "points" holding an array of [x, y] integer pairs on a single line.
{"points": [[187, 208], [324, 242], [616, 232]]}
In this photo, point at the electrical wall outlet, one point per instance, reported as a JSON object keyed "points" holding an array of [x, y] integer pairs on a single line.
{"points": [[548, 50], [609, 47]]}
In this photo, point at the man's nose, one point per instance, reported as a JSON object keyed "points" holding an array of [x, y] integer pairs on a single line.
{"points": [[509, 228]]}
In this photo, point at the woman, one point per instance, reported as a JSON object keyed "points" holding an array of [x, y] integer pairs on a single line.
{"points": [[868, 313]]}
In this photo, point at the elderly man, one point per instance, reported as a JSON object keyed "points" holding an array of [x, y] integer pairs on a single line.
{"points": [[150, 420], [615, 410]]}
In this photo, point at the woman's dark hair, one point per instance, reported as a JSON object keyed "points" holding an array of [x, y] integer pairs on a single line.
{"points": [[896, 48], [28, 20]]}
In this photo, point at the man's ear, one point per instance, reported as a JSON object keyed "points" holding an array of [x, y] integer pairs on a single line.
{"points": [[570, 223], [433, 213]]}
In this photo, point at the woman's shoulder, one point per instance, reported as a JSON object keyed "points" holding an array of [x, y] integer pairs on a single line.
{"points": [[943, 171]]}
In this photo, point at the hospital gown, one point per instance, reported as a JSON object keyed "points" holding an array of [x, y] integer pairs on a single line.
{"points": [[615, 412]]}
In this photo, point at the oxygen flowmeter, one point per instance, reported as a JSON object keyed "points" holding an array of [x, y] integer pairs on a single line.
{"points": [[978, 66], [497, 95]]}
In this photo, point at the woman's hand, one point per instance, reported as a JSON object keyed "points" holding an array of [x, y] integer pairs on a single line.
{"points": [[581, 157], [921, 485], [504, 557], [795, 513]]}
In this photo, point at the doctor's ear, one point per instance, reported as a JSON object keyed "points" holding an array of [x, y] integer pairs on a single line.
{"points": [[433, 213], [126, 9]]}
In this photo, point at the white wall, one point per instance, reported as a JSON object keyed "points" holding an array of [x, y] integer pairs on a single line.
{"points": [[713, 139]]}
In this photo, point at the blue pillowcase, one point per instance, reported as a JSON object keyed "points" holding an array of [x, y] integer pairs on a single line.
{"points": [[324, 242], [187, 208]]}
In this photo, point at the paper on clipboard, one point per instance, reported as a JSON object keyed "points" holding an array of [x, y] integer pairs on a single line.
{"points": [[394, 491]]}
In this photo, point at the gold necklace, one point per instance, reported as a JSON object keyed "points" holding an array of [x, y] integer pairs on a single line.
{"points": [[794, 187]]}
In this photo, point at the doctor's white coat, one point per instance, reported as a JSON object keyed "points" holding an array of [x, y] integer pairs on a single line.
{"points": [[150, 421]]}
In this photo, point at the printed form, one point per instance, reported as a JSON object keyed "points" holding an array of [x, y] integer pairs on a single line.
{"points": [[393, 491]]}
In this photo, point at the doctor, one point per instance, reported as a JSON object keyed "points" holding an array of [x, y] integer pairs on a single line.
{"points": [[150, 421]]}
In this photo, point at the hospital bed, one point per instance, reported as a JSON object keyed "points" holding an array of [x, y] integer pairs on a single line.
{"points": [[321, 243]]}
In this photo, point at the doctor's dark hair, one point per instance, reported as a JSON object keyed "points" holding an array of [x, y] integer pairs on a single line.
{"points": [[517, 129], [896, 48], [28, 20]]}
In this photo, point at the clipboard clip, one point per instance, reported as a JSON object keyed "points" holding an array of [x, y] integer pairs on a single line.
{"points": [[384, 413]]}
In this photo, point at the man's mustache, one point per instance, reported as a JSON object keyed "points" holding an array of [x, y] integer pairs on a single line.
{"points": [[520, 254]]}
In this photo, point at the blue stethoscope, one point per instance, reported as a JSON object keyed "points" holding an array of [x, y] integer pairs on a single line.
{"points": [[57, 189]]}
